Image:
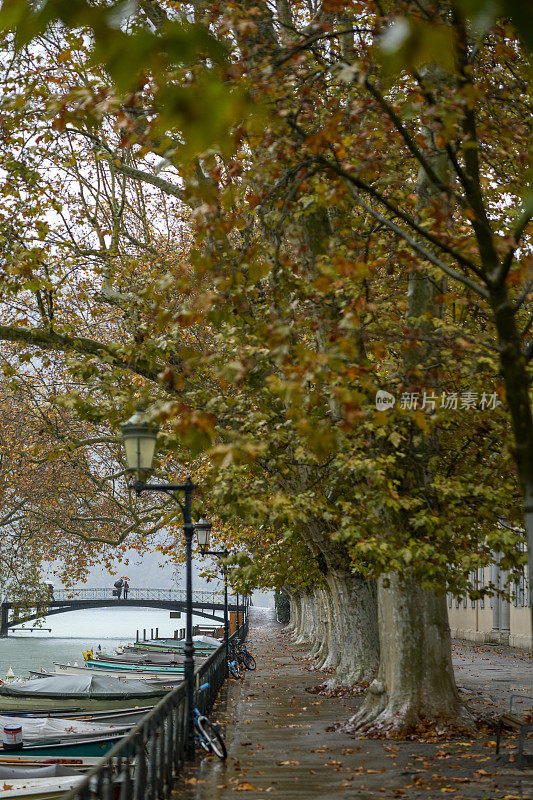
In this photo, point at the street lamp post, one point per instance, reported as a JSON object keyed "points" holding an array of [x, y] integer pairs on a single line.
{"points": [[203, 530], [140, 438]]}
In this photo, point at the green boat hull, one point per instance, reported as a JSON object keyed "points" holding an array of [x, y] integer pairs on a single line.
{"points": [[165, 648], [93, 748], [81, 704], [151, 669]]}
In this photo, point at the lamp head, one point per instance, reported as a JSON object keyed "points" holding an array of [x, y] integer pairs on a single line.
{"points": [[140, 439], [203, 532]]}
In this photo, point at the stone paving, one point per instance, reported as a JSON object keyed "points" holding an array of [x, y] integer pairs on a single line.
{"points": [[280, 740]]}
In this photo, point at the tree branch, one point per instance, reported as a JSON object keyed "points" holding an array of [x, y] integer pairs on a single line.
{"points": [[416, 246], [49, 340], [403, 216], [522, 223], [409, 141], [132, 172]]}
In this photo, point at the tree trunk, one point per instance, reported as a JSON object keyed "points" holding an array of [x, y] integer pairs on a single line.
{"points": [[331, 653], [289, 627], [354, 602], [311, 625], [515, 373], [320, 633], [303, 630], [415, 682], [295, 614]]}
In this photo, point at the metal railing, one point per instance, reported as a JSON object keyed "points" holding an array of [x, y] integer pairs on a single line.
{"points": [[167, 595], [146, 762]]}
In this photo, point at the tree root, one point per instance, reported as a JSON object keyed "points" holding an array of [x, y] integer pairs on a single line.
{"points": [[410, 723], [329, 690]]}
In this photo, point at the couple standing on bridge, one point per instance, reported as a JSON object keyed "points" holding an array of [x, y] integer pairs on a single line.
{"points": [[121, 584]]}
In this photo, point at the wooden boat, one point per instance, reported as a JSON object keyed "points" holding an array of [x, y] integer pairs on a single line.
{"points": [[146, 647], [152, 680], [39, 788], [87, 692], [128, 716], [200, 643], [80, 763], [43, 729], [71, 747], [21, 771], [143, 657], [114, 668]]}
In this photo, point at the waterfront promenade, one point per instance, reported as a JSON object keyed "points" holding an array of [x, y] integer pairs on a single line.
{"points": [[280, 742]]}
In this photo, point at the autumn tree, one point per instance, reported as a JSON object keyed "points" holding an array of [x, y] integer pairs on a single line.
{"points": [[353, 229]]}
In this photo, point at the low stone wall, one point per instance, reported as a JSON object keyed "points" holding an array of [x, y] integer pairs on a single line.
{"points": [[519, 640]]}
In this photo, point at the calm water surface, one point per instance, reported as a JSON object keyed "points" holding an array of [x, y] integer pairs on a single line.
{"points": [[80, 630]]}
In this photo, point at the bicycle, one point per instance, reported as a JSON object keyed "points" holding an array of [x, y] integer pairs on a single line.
{"points": [[234, 668], [208, 735], [242, 655]]}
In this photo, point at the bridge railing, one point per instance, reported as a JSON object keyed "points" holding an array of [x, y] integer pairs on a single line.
{"points": [[145, 764], [138, 593]]}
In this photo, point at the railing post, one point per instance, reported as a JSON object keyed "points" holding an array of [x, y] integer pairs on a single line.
{"points": [[226, 622], [4, 620], [188, 663]]}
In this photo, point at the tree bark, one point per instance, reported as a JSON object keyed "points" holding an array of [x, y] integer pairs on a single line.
{"points": [[516, 377], [294, 623], [354, 602], [415, 683]]}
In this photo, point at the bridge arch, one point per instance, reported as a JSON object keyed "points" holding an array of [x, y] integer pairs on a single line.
{"points": [[208, 605]]}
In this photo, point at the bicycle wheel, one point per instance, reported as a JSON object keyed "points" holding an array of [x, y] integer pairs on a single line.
{"points": [[249, 661], [209, 733], [234, 669], [201, 738]]}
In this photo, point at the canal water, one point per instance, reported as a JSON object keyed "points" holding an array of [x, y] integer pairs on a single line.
{"points": [[80, 630]]}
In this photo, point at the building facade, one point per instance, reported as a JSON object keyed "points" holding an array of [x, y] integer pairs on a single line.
{"points": [[493, 619]]}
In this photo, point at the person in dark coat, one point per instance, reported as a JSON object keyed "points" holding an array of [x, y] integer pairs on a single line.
{"points": [[118, 586]]}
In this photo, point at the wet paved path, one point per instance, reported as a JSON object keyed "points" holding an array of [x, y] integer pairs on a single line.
{"points": [[279, 743]]}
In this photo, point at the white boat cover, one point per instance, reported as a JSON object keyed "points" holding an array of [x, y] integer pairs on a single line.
{"points": [[47, 771], [80, 686], [39, 787], [39, 728], [208, 640]]}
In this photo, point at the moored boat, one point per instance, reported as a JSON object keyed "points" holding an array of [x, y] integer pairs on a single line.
{"points": [[147, 647], [80, 763], [143, 657], [149, 669], [39, 788], [70, 747], [87, 692], [200, 643], [52, 728], [128, 716], [148, 679]]}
